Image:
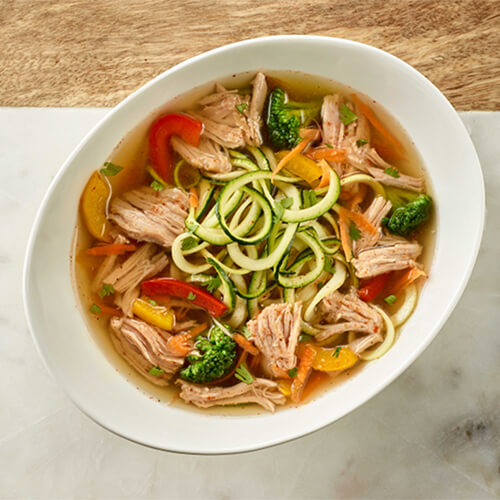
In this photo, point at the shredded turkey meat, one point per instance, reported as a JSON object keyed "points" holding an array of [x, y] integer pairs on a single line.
{"points": [[261, 391], [259, 94], [207, 156], [345, 313], [144, 347], [374, 214], [390, 254], [275, 332], [361, 344], [148, 215]]}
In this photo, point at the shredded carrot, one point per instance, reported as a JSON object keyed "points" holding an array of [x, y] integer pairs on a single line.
{"points": [[325, 177], [377, 124], [109, 311], [182, 343], [345, 239], [245, 344], [308, 136], [112, 249], [197, 330], [326, 153], [193, 197], [360, 220], [254, 363], [407, 278], [303, 371], [358, 197]]}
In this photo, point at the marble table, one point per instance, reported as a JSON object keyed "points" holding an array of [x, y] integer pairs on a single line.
{"points": [[433, 433]]}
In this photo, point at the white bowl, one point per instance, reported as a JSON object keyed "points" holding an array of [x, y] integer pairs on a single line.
{"points": [[81, 367]]}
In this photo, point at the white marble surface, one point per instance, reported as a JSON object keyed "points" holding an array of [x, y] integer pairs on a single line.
{"points": [[434, 433]]}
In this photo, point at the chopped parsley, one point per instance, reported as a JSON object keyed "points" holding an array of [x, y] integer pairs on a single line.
{"points": [[191, 296], [279, 208], [107, 289], [336, 353], [243, 374], [309, 198], [320, 285], [346, 115], [293, 372], [354, 232], [329, 146], [188, 243], [212, 283], [361, 142], [246, 332], [392, 172], [241, 107], [153, 302], [110, 169], [329, 265], [156, 371], [390, 299], [157, 186], [95, 309]]}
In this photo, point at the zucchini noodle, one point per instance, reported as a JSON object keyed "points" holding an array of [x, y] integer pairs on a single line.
{"points": [[371, 354], [407, 307]]}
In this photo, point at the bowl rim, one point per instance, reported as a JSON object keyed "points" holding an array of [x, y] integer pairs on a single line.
{"points": [[395, 373]]}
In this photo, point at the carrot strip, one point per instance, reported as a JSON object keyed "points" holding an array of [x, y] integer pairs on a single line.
{"points": [[254, 363], [356, 200], [109, 311], [245, 344], [360, 220], [308, 136], [345, 239], [330, 154], [325, 177], [193, 197], [407, 278], [377, 124], [182, 343], [112, 249], [303, 372], [197, 330]]}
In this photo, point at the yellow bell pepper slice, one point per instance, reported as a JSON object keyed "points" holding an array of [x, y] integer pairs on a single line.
{"points": [[93, 205], [303, 167], [333, 359], [156, 315], [285, 386]]}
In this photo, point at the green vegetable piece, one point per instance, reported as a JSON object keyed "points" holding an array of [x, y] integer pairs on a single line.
{"points": [[156, 371], [293, 372], [241, 107], [285, 118], [188, 243], [361, 142], [157, 186], [354, 232], [191, 296], [392, 172], [243, 374], [304, 337], [95, 309], [279, 208], [110, 169], [346, 115], [217, 356], [153, 302], [329, 265], [390, 299], [107, 289], [246, 332], [410, 210], [212, 284], [336, 353]]}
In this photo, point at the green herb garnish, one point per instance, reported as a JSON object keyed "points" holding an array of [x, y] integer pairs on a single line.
{"points": [[153, 302], [392, 172], [243, 374], [241, 107], [354, 232], [346, 115], [361, 142], [279, 208], [107, 289], [390, 299], [329, 146], [157, 186], [191, 296], [212, 284], [320, 285], [188, 243], [95, 309], [309, 198], [329, 265], [336, 353], [110, 169], [293, 372], [246, 332], [156, 371]]}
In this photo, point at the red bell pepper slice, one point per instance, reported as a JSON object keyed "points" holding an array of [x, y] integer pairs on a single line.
{"points": [[373, 288], [183, 290], [187, 128]]}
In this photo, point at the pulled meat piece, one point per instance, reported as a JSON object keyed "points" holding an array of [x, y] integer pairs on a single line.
{"points": [[259, 95], [262, 391], [148, 215], [207, 156], [361, 344], [125, 277], [275, 332], [358, 316], [374, 214], [333, 127], [144, 346], [391, 254]]}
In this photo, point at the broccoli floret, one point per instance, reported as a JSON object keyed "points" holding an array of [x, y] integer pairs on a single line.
{"points": [[217, 355], [409, 211], [285, 118]]}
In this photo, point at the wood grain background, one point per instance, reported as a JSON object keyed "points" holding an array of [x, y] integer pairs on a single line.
{"points": [[95, 53]]}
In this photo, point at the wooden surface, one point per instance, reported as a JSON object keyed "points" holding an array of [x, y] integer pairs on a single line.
{"points": [[95, 53]]}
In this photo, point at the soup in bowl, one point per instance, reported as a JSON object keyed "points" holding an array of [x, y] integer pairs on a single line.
{"points": [[255, 253]]}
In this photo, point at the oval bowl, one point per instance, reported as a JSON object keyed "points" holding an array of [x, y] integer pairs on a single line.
{"points": [[83, 370]]}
